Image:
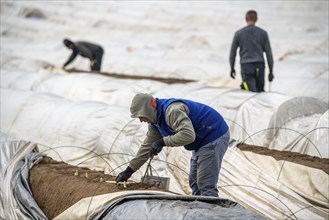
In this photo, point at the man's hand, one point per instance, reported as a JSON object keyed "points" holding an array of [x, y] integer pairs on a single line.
{"points": [[233, 74], [156, 147], [270, 77], [125, 175]]}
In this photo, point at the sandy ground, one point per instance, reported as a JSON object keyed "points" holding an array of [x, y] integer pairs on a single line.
{"points": [[303, 159], [55, 186], [124, 76]]}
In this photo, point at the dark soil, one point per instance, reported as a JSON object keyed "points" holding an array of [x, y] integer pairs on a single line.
{"points": [[123, 76], [306, 160], [55, 186]]}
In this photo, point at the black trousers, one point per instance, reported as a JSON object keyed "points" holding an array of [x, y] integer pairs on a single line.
{"points": [[96, 62], [253, 76]]}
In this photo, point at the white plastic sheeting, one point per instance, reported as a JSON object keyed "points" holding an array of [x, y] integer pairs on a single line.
{"points": [[297, 120], [262, 192], [320, 133], [308, 182], [88, 206], [250, 185], [141, 204], [98, 136], [239, 108], [104, 137], [262, 119], [11, 153], [78, 86], [21, 189], [158, 38]]}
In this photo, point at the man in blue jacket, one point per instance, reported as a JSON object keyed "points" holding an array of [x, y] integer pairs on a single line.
{"points": [[180, 122]]}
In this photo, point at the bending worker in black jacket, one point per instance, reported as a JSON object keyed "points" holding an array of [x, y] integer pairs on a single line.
{"points": [[253, 42], [85, 49]]}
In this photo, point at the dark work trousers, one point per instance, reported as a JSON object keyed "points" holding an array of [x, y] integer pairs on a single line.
{"points": [[253, 77], [96, 62], [205, 166]]}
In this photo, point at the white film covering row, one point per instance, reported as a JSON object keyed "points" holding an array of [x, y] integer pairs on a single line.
{"points": [[77, 86], [12, 151], [83, 119], [104, 137], [240, 109]]}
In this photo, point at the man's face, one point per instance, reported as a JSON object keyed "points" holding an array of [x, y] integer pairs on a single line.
{"points": [[143, 119]]}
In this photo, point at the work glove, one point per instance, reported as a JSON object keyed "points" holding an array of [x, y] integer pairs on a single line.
{"points": [[270, 77], [156, 147], [125, 175], [233, 74]]}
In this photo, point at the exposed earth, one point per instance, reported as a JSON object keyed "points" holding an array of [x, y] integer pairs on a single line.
{"points": [[56, 185], [302, 159], [123, 76]]}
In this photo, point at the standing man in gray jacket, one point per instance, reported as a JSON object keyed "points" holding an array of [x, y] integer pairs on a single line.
{"points": [[253, 42], [181, 122]]}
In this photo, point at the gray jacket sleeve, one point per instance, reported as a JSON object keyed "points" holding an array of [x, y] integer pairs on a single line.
{"points": [[142, 155], [234, 47], [177, 118], [268, 52]]}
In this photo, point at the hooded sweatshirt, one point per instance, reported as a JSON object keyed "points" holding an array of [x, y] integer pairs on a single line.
{"points": [[170, 120]]}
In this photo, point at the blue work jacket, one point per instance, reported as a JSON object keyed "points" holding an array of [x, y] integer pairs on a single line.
{"points": [[208, 124]]}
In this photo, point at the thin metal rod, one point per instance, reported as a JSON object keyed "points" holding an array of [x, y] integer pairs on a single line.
{"points": [[148, 167]]}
